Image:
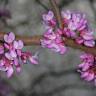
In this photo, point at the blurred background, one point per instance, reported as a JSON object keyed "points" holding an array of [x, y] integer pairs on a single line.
{"points": [[56, 74]]}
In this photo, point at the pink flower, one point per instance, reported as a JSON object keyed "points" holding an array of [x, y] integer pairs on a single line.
{"points": [[49, 16], [28, 56], [34, 59], [13, 55], [88, 76], [16, 63], [69, 33], [18, 44], [49, 20], [86, 38], [66, 14], [9, 38], [9, 71], [6, 65], [87, 68], [53, 41]]}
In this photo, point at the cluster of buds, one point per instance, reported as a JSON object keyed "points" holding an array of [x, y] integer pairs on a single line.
{"points": [[76, 27], [11, 54], [52, 40], [88, 67]]}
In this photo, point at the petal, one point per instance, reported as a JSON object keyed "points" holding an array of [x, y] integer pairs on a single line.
{"points": [[90, 77], [87, 36], [18, 69], [13, 54], [9, 37], [53, 47], [20, 44], [62, 49], [16, 61], [10, 71], [90, 43], [8, 56], [66, 15], [15, 44], [2, 68], [49, 16], [85, 67], [84, 75], [34, 59], [6, 38], [19, 52], [6, 46], [79, 40], [81, 65], [72, 26], [12, 36], [44, 17]]}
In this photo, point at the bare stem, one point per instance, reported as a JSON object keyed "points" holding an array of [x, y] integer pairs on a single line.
{"points": [[57, 13]]}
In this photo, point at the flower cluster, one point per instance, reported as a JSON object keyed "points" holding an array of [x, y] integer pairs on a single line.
{"points": [[52, 40], [11, 54], [88, 67], [76, 27]]}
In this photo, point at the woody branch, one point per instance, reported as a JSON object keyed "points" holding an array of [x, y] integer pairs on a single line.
{"points": [[35, 40]]}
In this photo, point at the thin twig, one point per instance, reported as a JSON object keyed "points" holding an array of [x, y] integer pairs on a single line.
{"points": [[57, 13]]}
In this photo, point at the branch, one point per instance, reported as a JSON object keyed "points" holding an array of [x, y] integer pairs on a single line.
{"points": [[32, 40], [57, 13], [35, 40]]}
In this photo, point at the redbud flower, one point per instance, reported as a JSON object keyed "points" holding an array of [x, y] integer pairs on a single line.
{"points": [[53, 41], [9, 38], [74, 20], [88, 67], [13, 55], [49, 19], [76, 27], [87, 38]]}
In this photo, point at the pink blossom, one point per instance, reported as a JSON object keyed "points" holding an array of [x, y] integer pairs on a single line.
{"points": [[74, 20], [88, 76], [27, 56], [49, 16], [18, 44], [76, 27], [53, 41], [87, 68], [49, 20], [9, 38], [66, 14], [9, 71], [13, 55], [69, 33]]}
